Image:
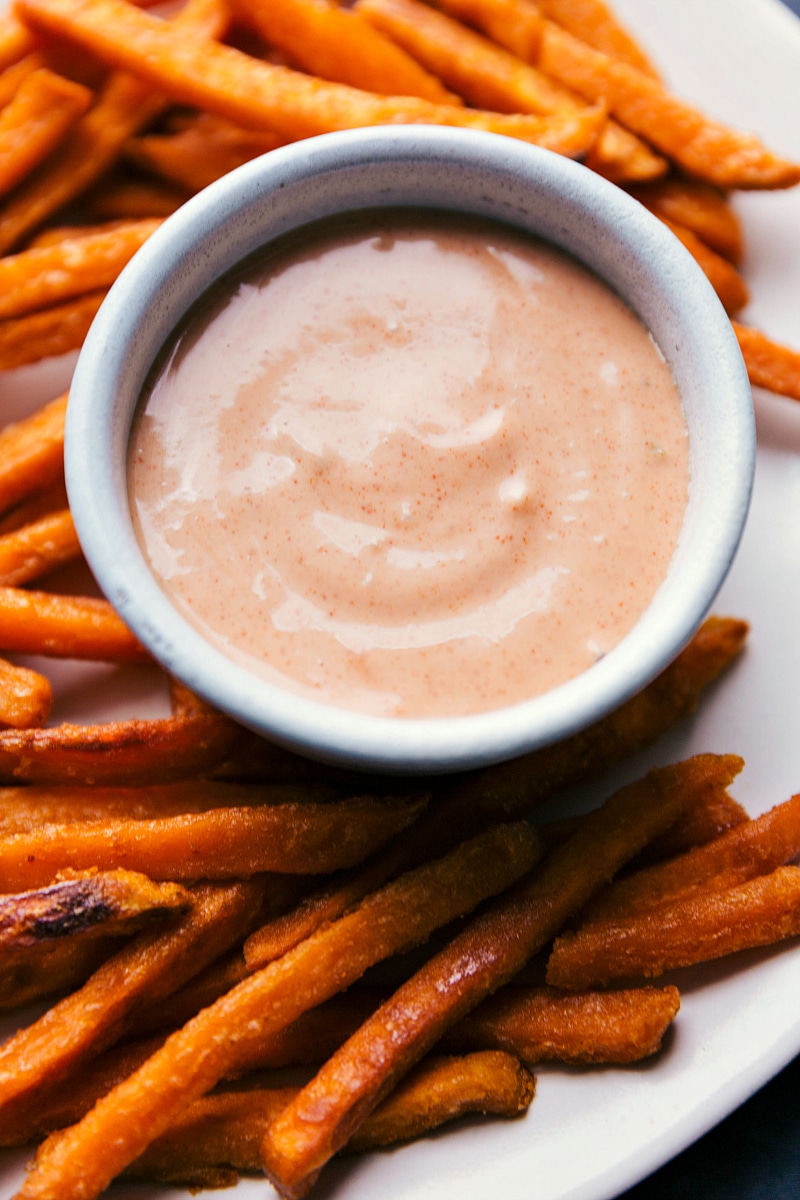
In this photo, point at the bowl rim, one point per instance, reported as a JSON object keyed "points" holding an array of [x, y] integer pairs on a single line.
{"points": [[583, 211]]}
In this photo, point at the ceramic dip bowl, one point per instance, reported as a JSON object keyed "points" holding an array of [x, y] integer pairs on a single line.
{"points": [[444, 170]]}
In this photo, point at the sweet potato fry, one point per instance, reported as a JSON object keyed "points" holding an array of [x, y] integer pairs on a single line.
{"points": [[259, 95], [722, 275], [124, 106], [485, 955], [49, 333], [204, 150], [493, 78], [83, 1024], [230, 843], [545, 1025], [337, 44], [699, 207], [593, 21], [769, 365], [32, 453], [12, 77], [706, 925], [121, 1125], [125, 753], [33, 123], [16, 40], [116, 198], [38, 548], [51, 499], [702, 147], [87, 904], [65, 627], [47, 275], [754, 848], [26, 697], [35, 973]]}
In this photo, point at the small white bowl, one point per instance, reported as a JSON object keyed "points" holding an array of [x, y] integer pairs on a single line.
{"points": [[437, 168]]}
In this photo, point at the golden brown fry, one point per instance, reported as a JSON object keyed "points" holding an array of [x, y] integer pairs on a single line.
{"points": [[91, 1019], [39, 972], [722, 275], [26, 697], [121, 1126], [261, 96], [48, 333], [545, 1025], [485, 955], [593, 21], [65, 627], [38, 548], [769, 365], [202, 151], [33, 123], [493, 78], [16, 40], [32, 453], [338, 44], [707, 925], [47, 275], [118, 753], [754, 848], [702, 147], [90, 903], [699, 207], [230, 843], [124, 106]]}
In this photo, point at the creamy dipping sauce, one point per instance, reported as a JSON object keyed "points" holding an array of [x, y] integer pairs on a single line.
{"points": [[411, 466]]}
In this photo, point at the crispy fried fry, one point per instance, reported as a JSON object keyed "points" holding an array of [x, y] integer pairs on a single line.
{"points": [[709, 924], [754, 848], [545, 1025], [47, 275], [48, 333], [33, 123], [65, 627], [202, 151], [123, 1124], [702, 147], [485, 955], [699, 207], [32, 453], [337, 44], [36, 973], [593, 21], [769, 365], [26, 697], [124, 106], [493, 78], [261, 96], [230, 843], [87, 904], [722, 275], [37, 548]]}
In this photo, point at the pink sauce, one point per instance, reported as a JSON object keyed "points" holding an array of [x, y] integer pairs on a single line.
{"points": [[411, 467]]}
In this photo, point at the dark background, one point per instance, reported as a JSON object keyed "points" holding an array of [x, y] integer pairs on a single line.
{"points": [[755, 1153]]}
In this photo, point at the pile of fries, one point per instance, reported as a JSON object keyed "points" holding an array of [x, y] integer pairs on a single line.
{"points": [[194, 908], [114, 116]]}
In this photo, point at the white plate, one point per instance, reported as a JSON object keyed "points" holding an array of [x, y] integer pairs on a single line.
{"points": [[591, 1134]]}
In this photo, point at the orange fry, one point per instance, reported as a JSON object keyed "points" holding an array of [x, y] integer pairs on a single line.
{"points": [[47, 275], [230, 843], [26, 697], [262, 96], [41, 504], [706, 925], [48, 333], [116, 198], [702, 147], [218, 1040], [124, 106], [123, 753], [699, 207], [204, 150], [16, 40], [65, 627], [33, 123], [34, 973], [754, 848], [722, 275], [593, 21], [769, 365], [35, 549], [338, 44], [485, 955], [32, 453], [12, 77], [86, 1022]]}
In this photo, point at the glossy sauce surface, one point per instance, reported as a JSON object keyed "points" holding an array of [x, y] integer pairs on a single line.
{"points": [[411, 467]]}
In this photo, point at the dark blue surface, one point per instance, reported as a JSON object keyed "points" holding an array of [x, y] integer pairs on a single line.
{"points": [[755, 1153]]}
